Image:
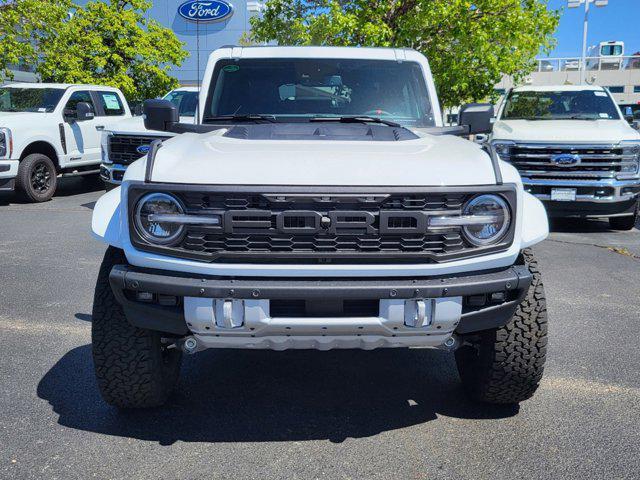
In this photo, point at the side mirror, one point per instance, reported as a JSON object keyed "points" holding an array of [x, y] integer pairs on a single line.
{"points": [[84, 112], [160, 115], [477, 117], [138, 110], [630, 119]]}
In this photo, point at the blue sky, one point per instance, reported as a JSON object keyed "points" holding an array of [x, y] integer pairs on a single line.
{"points": [[620, 20]]}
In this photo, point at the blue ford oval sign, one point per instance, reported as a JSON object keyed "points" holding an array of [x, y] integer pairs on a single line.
{"points": [[143, 149], [206, 10], [566, 160]]}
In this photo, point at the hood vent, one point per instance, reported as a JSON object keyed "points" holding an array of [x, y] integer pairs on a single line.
{"points": [[314, 131]]}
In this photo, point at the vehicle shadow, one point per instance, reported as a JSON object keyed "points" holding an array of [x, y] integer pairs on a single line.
{"points": [[256, 396], [67, 187], [582, 225]]}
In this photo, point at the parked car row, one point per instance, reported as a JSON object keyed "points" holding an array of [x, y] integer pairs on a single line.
{"points": [[47, 130], [53, 130]]}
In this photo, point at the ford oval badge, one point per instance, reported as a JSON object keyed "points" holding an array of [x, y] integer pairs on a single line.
{"points": [[566, 160], [206, 10], [143, 149]]}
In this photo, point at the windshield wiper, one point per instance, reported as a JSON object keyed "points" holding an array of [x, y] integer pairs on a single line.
{"points": [[579, 117], [249, 117], [356, 119]]}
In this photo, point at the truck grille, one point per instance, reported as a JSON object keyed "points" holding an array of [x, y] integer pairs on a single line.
{"points": [[323, 228], [567, 162], [123, 149]]}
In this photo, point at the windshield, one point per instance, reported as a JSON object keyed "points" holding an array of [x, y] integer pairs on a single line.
{"points": [[564, 105], [186, 102], [300, 89], [29, 99]]}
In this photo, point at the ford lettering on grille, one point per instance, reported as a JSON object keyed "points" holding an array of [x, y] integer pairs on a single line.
{"points": [[332, 223]]}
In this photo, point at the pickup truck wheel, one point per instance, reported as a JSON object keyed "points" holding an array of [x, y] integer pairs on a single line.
{"points": [[37, 178], [133, 367], [623, 223], [505, 365]]}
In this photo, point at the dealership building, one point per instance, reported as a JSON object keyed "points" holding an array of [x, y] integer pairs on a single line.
{"points": [[203, 26]]}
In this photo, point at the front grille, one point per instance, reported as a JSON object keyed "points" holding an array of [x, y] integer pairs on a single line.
{"points": [[322, 228], [123, 149], [593, 162]]}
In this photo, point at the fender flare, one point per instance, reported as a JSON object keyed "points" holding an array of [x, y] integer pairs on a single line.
{"points": [[535, 224], [105, 222]]}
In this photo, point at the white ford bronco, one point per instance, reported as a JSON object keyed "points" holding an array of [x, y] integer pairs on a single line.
{"points": [[48, 130], [318, 203], [574, 150], [128, 140]]}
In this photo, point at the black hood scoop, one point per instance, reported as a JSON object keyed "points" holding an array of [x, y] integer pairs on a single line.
{"points": [[315, 131]]}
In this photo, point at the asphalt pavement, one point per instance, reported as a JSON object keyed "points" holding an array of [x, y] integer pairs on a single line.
{"points": [[387, 414]]}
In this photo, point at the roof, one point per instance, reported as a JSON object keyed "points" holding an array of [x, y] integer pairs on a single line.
{"points": [[558, 88], [55, 85], [367, 53], [186, 89]]}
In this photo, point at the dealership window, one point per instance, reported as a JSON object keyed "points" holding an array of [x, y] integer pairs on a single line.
{"points": [[616, 89], [636, 89], [111, 104]]}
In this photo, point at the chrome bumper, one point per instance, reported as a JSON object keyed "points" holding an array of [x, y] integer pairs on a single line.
{"points": [[613, 190], [112, 173]]}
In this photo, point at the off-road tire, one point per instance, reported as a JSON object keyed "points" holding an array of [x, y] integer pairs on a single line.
{"points": [[133, 367], [623, 223], [505, 365], [34, 169]]}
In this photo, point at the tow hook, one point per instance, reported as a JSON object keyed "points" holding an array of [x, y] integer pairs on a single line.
{"points": [[190, 345], [451, 343]]}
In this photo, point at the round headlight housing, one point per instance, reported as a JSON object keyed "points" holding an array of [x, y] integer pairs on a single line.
{"points": [[494, 218], [148, 218]]}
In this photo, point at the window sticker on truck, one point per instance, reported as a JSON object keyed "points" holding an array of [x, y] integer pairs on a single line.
{"points": [[111, 101]]}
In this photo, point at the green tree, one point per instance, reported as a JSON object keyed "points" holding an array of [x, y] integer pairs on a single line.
{"points": [[109, 43], [26, 28], [470, 44]]}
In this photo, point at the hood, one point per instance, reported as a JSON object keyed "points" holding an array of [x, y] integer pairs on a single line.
{"points": [[563, 131], [11, 119], [136, 125], [214, 158]]}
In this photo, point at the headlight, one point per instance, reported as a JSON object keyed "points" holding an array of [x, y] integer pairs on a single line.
{"points": [[498, 219], [149, 222], [104, 147], [631, 158], [6, 143], [503, 148]]}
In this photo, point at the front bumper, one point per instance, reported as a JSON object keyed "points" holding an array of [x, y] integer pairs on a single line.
{"points": [[112, 173], [8, 173], [594, 198], [321, 314]]}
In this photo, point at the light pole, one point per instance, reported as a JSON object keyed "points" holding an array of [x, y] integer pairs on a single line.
{"points": [[585, 28]]}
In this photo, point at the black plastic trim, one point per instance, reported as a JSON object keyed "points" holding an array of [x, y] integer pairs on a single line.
{"points": [[515, 279], [7, 184], [137, 190], [63, 138], [151, 158]]}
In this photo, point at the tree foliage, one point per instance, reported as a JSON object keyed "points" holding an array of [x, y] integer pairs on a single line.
{"points": [[105, 42], [470, 44]]}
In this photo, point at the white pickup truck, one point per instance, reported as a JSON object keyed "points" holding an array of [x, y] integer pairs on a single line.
{"points": [[574, 150], [47, 130], [128, 140], [318, 203]]}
